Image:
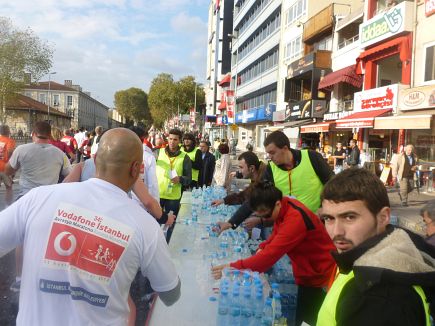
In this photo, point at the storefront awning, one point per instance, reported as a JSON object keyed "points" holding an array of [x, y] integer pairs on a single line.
{"points": [[399, 44], [345, 75], [222, 106], [316, 127], [421, 121], [364, 119], [225, 81]]}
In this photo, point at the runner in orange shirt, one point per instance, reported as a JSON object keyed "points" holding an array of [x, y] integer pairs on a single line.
{"points": [[7, 146]]}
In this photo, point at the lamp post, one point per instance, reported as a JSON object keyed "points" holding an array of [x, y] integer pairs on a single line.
{"points": [[49, 95]]}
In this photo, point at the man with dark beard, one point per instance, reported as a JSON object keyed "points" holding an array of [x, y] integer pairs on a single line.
{"points": [[189, 147]]}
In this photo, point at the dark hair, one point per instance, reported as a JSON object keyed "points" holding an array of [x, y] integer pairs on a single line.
{"points": [[42, 129], [264, 195], [429, 208], [250, 159], [139, 131], [4, 130], [357, 184], [175, 132], [205, 142], [223, 148], [278, 138], [189, 136]]}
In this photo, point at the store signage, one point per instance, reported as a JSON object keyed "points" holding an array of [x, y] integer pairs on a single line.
{"points": [[429, 7], [319, 108], [377, 98], [417, 98], [302, 65], [278, 116], [299, 110], [355, 124], [386, 24], [336, 115]]}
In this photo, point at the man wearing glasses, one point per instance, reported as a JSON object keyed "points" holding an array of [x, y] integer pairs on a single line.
{"points": [[428, 214]]}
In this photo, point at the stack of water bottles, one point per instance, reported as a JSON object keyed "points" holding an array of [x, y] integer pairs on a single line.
{"points": [[282, 279], [242, 301]]}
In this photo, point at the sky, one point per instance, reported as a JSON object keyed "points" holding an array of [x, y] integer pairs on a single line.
{"points": [[110, 45]]}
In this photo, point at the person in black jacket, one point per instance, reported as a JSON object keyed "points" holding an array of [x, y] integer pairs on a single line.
{"points": [[353, 159], [386, 274], [208, 164]]}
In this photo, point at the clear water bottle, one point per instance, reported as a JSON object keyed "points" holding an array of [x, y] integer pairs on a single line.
{"points": [[223, 308], [257, 313], [277, 313], [267, 318], [246, 307], [234, 316]]}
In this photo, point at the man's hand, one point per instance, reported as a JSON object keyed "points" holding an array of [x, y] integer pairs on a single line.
{"points": [[251, 222], [216, 271], [223, 226], [171, 219], [175, 180], [217, 202]]}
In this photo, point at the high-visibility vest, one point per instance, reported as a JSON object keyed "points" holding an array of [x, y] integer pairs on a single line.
{"points": [[195, 172], [300, 182], [164, 165], [326, 316]]}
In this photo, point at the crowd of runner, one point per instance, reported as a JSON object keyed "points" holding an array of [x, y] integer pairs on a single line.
{"points": [[86, 221]]}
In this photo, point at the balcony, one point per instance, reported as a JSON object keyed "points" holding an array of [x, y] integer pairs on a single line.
{"points": [[348, 41], [323, 21]]}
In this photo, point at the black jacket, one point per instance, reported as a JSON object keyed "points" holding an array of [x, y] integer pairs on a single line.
{"points": [[320, 166], [207, 169], [353, 159], [385, 268]]}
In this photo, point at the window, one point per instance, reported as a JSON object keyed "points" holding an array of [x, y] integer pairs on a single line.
{"points": [[296, 11], [69, 100], [28, 94], [43, 98], [429, 69], [56, 100], [294, 48]]}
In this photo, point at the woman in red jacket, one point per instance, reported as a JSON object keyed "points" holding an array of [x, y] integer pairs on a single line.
{"points": [[298, 233]]}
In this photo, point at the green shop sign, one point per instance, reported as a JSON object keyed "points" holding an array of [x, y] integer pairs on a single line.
{"points": [[383, 25]]}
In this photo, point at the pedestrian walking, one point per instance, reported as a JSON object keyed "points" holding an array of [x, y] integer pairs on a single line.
{"points": [[402, 170]]}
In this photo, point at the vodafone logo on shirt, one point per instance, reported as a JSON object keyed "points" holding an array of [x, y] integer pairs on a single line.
{"points": [[90, 246]]}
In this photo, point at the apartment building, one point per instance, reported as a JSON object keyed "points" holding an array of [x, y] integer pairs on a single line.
{"points": [[84, 110]]}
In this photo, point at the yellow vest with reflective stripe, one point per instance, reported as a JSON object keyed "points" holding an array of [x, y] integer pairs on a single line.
{"points": [[195, 172], [301, 182], [167, 189], [326, 316]]}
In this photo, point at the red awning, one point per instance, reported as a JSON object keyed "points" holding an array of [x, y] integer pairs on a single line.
{"points": [[345, 75], [364, 119], [401, 44], [225, 81], [316, 127], [222, 105]]}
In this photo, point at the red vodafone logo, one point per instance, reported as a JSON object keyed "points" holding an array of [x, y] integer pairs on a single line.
{"points": [[65, 244]]}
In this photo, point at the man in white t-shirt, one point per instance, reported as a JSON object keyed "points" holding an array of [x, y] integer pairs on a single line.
{"points": [[84, 243], [79, 137]]}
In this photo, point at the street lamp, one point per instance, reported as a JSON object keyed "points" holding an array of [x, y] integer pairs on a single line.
{"points": [[49, 94]]}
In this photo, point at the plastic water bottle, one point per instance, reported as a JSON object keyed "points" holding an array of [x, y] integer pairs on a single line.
{"points": [[277, 314], [234, 310], [267, 318], [257, 312], [223, 308], [246, 307]]}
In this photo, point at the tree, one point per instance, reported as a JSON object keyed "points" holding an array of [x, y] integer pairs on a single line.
{"points": [[132, 104], [168, 98], [162, 98], [21, 52]]}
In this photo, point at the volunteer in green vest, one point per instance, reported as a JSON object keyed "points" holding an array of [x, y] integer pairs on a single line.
{"points": [[385, 273], [190, 148], [174, 170], [298, 173]]}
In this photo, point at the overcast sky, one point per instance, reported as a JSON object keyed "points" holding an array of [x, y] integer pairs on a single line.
{"points": [[109, 45]]}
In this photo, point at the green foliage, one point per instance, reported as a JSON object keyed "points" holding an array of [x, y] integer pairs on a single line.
{"points": [[132, 104], [21, 52], [167, 97]]}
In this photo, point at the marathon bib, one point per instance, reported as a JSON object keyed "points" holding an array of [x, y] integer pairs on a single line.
{"points": [[86, 242]]}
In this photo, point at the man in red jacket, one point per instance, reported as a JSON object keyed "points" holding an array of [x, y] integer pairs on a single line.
{"points": [[298, 233]]}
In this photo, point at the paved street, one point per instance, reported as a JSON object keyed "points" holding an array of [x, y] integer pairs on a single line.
{"points": [[408, 217]]}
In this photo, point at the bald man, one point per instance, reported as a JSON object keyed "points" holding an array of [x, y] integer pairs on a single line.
{"points": [[85, 241]]}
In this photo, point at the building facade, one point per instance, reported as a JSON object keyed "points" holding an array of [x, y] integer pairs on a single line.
{"points": [[84, 110]]}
